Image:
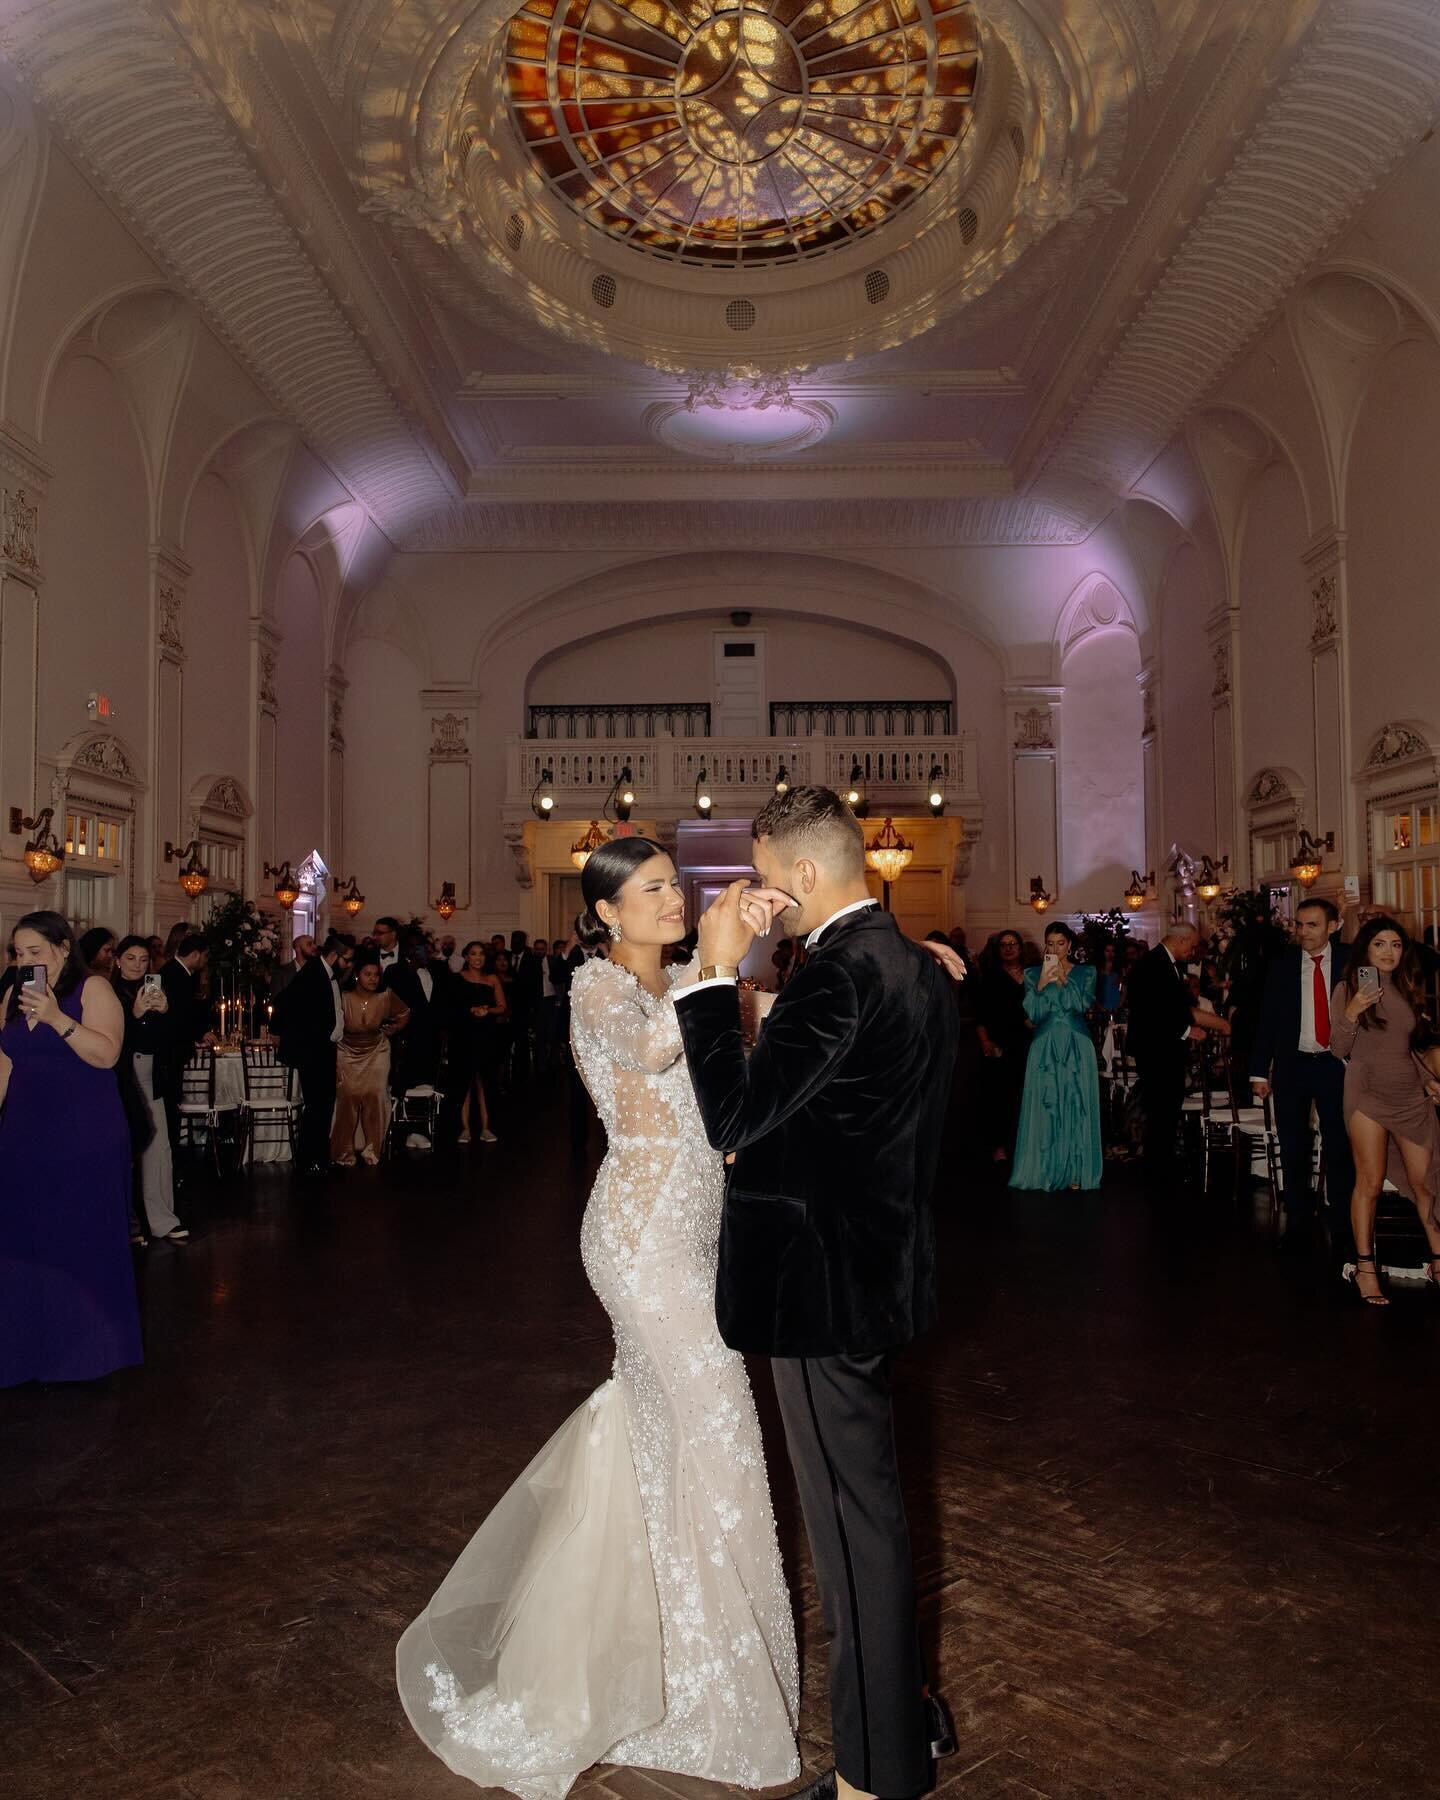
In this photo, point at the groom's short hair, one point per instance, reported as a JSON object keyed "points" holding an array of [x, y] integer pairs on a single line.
{"points": [[814, 822]]}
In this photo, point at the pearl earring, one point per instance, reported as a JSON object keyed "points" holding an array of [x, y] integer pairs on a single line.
{"points": [[616, 933]]}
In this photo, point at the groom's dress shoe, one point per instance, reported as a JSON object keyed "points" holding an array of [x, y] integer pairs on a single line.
{"points": [[941, 1727]]}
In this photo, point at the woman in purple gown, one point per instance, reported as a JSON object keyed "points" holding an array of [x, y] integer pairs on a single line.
{"points": [[68, 1310]]}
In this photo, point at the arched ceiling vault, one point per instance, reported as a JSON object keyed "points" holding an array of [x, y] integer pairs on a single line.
{"points": [[733, 271]]}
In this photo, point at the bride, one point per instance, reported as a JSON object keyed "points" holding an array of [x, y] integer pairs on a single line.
{"points": [[624, 1602]]}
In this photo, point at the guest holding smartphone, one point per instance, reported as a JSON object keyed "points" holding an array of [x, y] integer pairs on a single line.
{"points": [[68, 1310], [1380, 1029], [1058, 1144], [146, 1060]]}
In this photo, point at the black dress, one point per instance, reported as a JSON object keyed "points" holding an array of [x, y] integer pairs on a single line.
{"points": [[1002, 1014]]}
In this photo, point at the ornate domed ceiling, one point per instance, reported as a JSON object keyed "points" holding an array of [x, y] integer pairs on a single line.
{"points": [[755, 133]]}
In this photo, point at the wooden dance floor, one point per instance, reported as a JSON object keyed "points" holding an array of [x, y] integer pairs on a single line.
{"points": [[1174, 1503]]}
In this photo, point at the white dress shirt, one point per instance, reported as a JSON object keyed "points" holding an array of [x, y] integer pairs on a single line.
{"points": [[547, 986], [1309, 1044]]}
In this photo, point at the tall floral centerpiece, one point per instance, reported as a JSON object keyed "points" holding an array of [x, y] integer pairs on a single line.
{"points": [[244, 951]]}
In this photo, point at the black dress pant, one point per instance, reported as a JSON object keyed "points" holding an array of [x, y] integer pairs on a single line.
{"points": [[1160, 1079], [841, 1439], [1299, 1082], [316, 1072]]}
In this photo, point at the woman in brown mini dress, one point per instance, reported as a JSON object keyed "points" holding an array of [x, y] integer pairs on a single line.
{"points": [[1379, 1032]]}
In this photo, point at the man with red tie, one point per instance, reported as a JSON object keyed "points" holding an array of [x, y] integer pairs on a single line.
{"points": [[1292, 1053]]}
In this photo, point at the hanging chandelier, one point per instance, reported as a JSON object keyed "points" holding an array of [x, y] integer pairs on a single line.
{"points": [[889, 854], [445, 905]]}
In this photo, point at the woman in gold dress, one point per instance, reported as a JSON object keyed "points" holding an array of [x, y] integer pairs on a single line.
{"points": [[373, 1015]]}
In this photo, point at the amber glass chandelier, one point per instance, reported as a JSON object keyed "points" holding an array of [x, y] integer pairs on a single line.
{"points": [[585, 847], [889, 854]]}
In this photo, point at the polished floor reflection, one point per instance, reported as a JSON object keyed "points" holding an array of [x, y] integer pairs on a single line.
{"points": [[1173, 1502]]}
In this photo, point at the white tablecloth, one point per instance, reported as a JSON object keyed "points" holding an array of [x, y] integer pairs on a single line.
{"points": [[271, 1143]]}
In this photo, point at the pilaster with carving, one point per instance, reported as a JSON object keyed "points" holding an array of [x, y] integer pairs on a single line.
{"points": [[23, 481], [1032, 721], [1337, 800], [169, 578], [265, 642], [452, 715], [336, 684], [1151, 764], [1223, 638]]}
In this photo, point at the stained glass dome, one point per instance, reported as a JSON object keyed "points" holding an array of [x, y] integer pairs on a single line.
{"points": [[741, 134]]}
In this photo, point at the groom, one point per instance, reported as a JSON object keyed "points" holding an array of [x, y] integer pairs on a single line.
{"points": [[826, 1249]]}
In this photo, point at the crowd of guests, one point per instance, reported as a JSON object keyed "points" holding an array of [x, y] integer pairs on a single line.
{"points": [[96, 1032]]}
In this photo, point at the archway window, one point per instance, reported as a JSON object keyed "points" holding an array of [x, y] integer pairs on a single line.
{"points": [[1405, 861]]}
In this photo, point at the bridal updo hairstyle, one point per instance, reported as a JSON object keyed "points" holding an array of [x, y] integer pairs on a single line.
{"points": [[604, 874]]}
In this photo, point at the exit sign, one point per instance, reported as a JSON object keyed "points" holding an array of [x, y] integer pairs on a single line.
{"points": [[99, 707]]}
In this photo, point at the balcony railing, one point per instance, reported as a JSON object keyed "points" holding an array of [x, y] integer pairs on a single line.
{"points": [[740, 773], [662, 718], [860, 718]]}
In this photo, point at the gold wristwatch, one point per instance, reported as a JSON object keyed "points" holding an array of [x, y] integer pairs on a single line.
{"points": [[719, 971]]}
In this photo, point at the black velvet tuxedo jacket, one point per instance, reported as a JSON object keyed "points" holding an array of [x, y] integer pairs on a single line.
{"points": [[827, 1243], [1277, 1035], [1159, 1008]]}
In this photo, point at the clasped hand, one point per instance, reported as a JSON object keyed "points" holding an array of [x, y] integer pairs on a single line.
{"points": [[734, 919]]}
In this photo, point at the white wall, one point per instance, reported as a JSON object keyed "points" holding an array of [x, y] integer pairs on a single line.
{"points": [[1102, 836]]}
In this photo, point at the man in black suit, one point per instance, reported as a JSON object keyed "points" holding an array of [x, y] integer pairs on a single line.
{"points": [[415, 1054], [1291, 1057], [525, 984], [184, 1023], [303, 948], [827, 1245], [1163, 1021], [310, 1021]]}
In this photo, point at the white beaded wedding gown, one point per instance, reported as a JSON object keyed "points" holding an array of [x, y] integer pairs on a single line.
{"points": [[624, 1602]]}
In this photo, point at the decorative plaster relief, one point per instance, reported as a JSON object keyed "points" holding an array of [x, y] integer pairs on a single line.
{"points": [[1269, 785], [1323, 599], [1220, 654], [268, 661], [106, 756], [225, 797], [169, 628], [1034, 730], [337, 718], [19, 531], [1395, 743], [1147, 723], [448, 740], [520, 850]]}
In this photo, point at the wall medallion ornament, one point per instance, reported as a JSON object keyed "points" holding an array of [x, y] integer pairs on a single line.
{"points": [[1396, 743], [1034, 730], [447, 738], [1323, 599], [106, 756], [1221, 656], [19, 532], [169, 629]]}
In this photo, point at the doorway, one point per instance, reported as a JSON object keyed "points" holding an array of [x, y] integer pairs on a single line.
{"points": [[739, 694]]}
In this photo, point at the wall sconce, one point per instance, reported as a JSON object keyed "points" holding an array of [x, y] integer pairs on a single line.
{"points": [[352, 899], [782, 780], [581, 852], [445, 905], [937, 790], [1138, 891], [193, 878], [704, 800], [1039, 899], [889, 854], [287, 888], [43, 853], [542, 800], [856, 797], [1307, 864], [621, 797], [1207, 883]]}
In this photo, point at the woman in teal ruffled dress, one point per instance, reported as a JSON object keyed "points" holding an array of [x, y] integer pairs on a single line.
{"points": [[1059, 1141]]}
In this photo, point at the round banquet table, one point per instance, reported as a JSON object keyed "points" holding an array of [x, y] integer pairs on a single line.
{"points": [[230, 1091]]}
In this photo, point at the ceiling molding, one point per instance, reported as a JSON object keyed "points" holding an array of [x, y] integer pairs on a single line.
{"points": [[739, 525], [1364, 89], [116, 82]]}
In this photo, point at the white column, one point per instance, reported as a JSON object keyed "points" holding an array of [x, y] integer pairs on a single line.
{"points": [[265, 643], [1223, 633], [450, 801], [169, 575]]}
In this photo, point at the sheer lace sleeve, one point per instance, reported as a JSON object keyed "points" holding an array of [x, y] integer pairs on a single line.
{"points": [[608, 1005]]}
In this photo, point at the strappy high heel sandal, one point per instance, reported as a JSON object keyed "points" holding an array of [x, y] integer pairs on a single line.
{"points": [[1432, 1272], [1378, 1298]]}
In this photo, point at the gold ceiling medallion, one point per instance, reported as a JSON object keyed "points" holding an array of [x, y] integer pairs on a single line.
{"points": [[741, 135]]}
